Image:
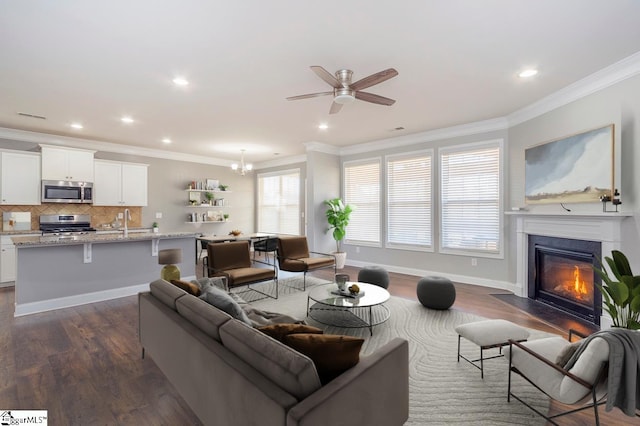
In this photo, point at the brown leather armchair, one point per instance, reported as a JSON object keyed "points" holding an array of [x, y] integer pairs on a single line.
{"points": [[294, 256], [233, 261]]}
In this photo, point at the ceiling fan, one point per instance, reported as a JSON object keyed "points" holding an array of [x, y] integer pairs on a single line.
{"points": [[344, 91]]}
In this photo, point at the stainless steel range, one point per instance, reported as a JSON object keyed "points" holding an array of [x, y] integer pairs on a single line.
{"points": [[65, 224]]}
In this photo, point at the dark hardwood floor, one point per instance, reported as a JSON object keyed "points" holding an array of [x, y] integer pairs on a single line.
{"points": [[83, 364]]}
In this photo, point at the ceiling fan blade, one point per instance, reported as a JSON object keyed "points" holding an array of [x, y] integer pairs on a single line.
{"points": [[310, 95], [335, 108], [374, 79], [326, 76], [375, 99]]}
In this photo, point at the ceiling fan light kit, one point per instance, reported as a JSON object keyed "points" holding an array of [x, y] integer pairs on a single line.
{"points": [[345, 92]]}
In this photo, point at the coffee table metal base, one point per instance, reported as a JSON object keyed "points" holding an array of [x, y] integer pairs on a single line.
{"points": [[355, 317]]}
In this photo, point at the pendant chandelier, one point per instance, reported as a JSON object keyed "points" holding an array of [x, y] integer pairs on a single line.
{"points": [[242, 168]]}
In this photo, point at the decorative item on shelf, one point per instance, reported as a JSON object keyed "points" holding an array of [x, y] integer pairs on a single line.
{"points": [[621, 299], [168, 258], [226, 216], [209, 196], [222, 187], [338, 218], [218, 202], [212, 184], [241, 168], [235, 232], [615, 200], [155, 227], [341, 281]]}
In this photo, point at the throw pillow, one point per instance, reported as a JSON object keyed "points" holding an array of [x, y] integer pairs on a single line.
{"points": [[566, 353], [205, 282], [221, 300], [279, 331], [190, 288], [331, 354]]}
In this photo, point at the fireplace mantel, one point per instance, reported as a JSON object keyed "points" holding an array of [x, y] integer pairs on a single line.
{"points": [[603, 227]]}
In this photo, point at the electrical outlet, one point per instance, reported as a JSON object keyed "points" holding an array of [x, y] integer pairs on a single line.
{"points": [[474, 261], [120, 215], [158, 215]]}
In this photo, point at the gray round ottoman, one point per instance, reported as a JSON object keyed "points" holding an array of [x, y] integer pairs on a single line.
{"points": [[436, 292], [374, 275]]}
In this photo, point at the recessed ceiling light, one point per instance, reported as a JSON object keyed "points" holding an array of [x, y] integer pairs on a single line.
{"points": [[323, 126], [78, 126], [528, 73], [127, 119], [180, 81], [166, 140]]}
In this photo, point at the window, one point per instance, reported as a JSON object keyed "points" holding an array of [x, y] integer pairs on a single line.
{"points": [[470, 198], [409, 201], [362, 191], [279, 202]]}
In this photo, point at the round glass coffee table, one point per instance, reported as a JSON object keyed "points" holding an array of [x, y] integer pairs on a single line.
{"points": [[349, 312]]}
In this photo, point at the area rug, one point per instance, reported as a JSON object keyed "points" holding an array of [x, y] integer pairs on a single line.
{"points": [[441, 390]]}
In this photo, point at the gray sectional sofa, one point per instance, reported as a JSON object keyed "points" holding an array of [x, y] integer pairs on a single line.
{"points": [[232, 374]]}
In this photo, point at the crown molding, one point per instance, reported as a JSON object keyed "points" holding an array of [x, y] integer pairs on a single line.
{"points": [[614, 73], [322, 147], [475, 128], [72, 142], [284, 161]]}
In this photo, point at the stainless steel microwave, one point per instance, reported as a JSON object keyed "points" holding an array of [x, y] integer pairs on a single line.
{"points": [[60, 191]]}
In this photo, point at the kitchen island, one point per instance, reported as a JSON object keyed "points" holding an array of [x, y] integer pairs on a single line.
{"points": [[54, 272]]}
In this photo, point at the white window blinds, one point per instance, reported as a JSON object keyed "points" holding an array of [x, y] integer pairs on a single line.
{"points": [[279, 202], [470, 198], [362, 191], [409, 201]]}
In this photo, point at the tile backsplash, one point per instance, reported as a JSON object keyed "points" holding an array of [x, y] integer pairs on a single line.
{"points": [[99, 215]]}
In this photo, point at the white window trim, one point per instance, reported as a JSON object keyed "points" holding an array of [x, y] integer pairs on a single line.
{"points": [[362, 161], [466, 147], [409, 247]]}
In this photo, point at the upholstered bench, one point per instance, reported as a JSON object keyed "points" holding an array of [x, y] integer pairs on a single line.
{"points": [[487, 334]]}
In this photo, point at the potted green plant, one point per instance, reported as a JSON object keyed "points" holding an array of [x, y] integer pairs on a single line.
{"points": [[226, 216], [155, 226], [338, 215], [620, 293], [223, 187], [209, 196]]}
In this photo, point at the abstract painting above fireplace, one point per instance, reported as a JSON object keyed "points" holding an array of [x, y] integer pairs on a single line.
{"points": [[560, 274]]}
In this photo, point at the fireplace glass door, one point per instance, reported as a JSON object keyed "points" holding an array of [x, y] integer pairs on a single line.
{"points": [[567, 278]]}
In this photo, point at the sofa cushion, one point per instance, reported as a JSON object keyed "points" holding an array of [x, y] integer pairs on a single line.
{"points": [[166, 292], [190, 288], [331, 354], [221, 300], [279, 331], [289, 369], [203, 315]]}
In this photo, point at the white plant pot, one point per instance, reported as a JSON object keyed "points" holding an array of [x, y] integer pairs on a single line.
{"points": [[155, 230], [341, 258]]}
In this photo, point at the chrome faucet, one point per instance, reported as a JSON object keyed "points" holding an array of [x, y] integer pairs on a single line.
{"points": [[127, 218]]}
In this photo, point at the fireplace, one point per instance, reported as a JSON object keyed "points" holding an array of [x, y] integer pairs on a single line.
{"points": [[561, 275]]}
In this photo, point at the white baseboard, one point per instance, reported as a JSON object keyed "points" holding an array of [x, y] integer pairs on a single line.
{"points": [[81, 299], [483, 282]]}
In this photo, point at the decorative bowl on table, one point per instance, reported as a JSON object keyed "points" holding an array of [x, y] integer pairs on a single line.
{"points": [[235, 232]]}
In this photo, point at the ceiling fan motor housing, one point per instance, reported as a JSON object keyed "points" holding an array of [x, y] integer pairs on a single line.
{"points": [[344, 95]]}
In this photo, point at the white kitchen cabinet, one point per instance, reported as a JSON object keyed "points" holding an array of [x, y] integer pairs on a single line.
{"points": [[8, 257], [20, 178], [7, 260], [120, 184], [67, 164]]}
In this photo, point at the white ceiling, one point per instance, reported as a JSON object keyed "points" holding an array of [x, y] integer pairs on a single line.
{"points": [[93, 61]]}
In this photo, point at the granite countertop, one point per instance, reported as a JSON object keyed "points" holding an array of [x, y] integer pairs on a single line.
{"points": [[96, 238]]}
